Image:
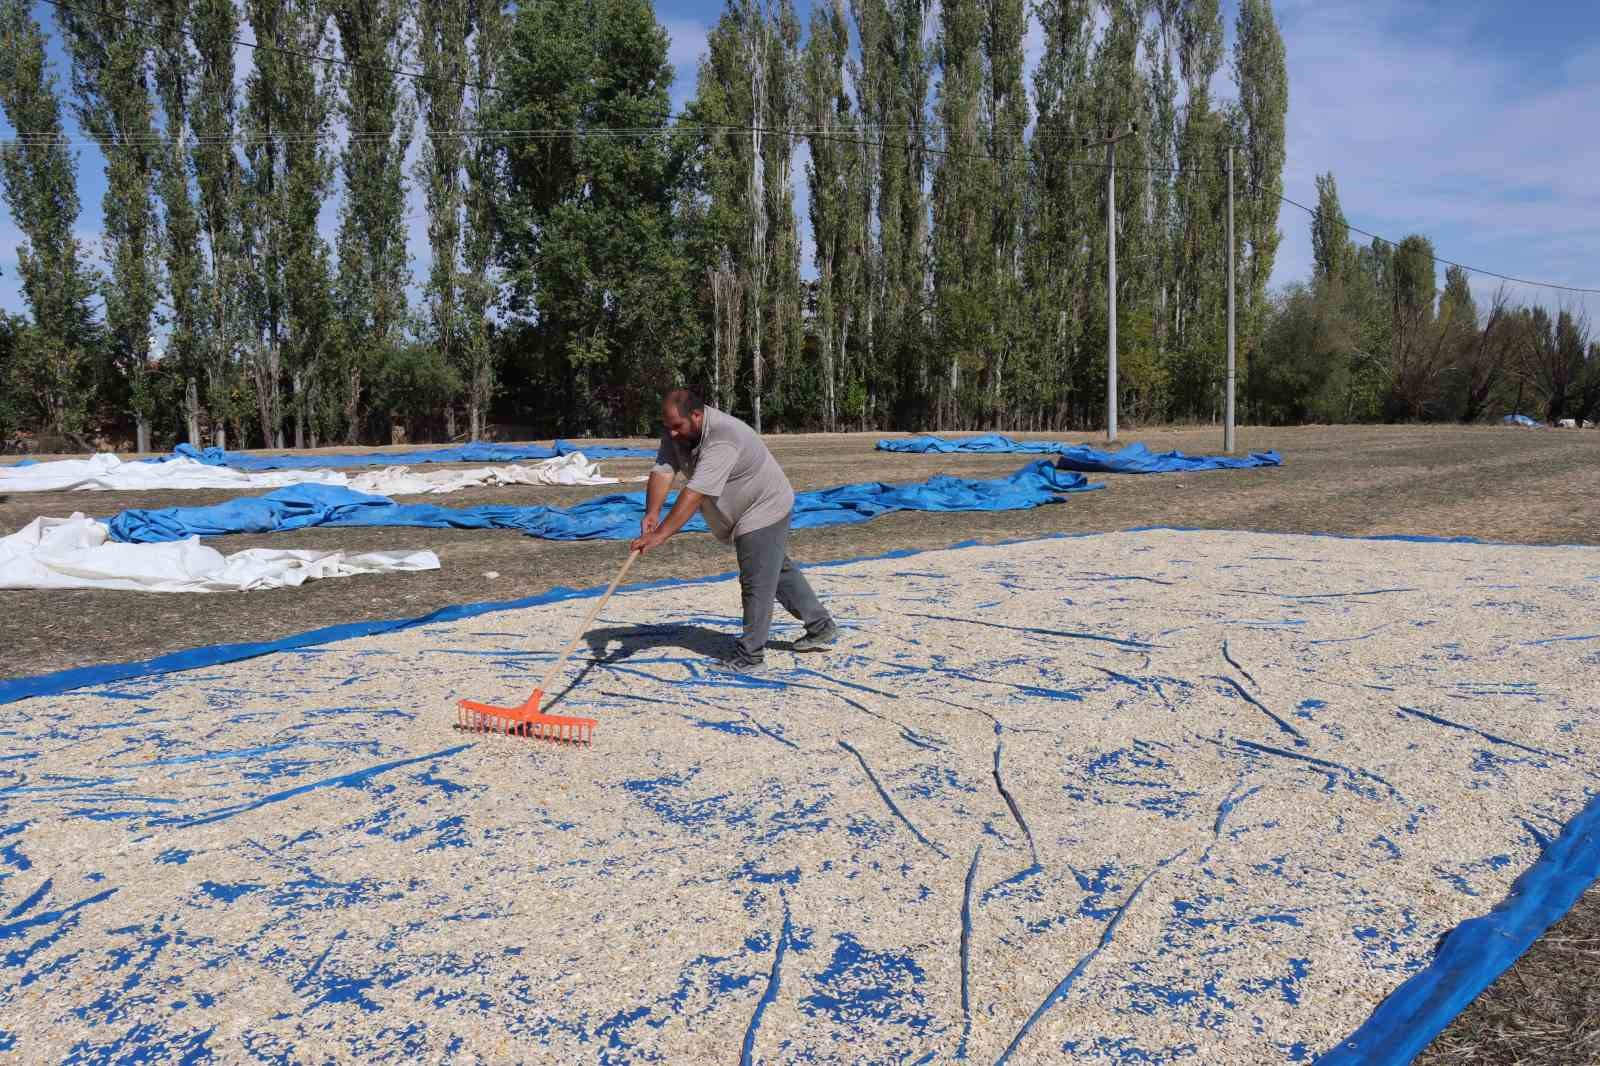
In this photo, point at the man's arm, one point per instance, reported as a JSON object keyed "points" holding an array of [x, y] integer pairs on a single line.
{"points": [[655, 494], [683, 509], [661, 477]]}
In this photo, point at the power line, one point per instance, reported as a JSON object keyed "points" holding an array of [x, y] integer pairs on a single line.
{"points": [[552, 133], [1315, 212]]}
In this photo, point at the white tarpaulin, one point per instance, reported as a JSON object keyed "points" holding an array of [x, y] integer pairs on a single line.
{"points": [[77, 553], [107, 472]]}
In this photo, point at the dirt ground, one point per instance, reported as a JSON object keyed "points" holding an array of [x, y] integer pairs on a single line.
{"points": [[1508, 484]]}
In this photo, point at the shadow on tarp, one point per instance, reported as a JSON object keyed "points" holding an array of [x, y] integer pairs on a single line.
{"points": [[617, 644], [1469, 957]]}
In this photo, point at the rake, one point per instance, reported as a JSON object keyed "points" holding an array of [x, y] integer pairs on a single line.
{"points": [[526, 721]]}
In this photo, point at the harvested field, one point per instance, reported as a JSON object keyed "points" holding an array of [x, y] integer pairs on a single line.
{"points": [[1536, 487], [714, 897]]}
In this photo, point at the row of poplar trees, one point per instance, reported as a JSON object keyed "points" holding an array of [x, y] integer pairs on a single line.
{"points": [[589, 246], [217, 302], [958, 213]]}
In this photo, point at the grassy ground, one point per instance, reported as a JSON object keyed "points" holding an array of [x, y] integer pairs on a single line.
{"points": [[1530, 486]]}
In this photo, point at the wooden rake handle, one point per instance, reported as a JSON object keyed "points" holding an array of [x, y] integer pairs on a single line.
{"points": [[587, 622]]}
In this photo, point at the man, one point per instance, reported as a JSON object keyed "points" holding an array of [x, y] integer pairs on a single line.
{"points": [[733, 480]]}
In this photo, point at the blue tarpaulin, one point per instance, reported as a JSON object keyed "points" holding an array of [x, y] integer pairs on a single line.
{"points": [[611, 517], [465, 453], [1130, 459], [988, 443], [1520, 420]]}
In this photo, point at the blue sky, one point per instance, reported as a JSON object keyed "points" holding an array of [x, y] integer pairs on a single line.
{"points": [[1470, 122]]}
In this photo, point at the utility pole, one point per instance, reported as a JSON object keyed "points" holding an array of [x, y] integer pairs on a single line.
{"points": [[1227, 425], [1110, 142]]}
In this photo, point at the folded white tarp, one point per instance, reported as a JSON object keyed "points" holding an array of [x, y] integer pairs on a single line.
{"points": [[105, 471], [77, 553], [570, 469]]}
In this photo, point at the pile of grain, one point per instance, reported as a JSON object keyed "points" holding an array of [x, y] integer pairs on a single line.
{"points": [[1158, 794]]}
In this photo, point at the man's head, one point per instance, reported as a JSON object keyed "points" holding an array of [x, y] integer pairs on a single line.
{"points": [[684, 415]]}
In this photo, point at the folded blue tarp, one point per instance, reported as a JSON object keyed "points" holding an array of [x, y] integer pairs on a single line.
{"points": [[1137, 459], [465, 453], [611, 517], [1130, 459], [988, 443]]}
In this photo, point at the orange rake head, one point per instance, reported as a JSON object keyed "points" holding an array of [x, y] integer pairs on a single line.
{"points": [[524, 721]]}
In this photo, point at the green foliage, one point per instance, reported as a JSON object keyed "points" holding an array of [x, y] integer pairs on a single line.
{"points": [[110, 57], [12, 329], [1330, 233], [1306, 371], [52, 367], [411, 383], [373, 269], [287, 174], [588, 241], [958, 240]]}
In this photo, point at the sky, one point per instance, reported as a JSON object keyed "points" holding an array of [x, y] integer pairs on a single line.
{"points": [[1471, 122]]}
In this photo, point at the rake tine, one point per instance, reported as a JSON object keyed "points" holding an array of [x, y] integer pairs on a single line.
{"points": [[526, 720]]}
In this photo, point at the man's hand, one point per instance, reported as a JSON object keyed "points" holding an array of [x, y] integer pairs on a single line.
{"points": [[651, 539], [652, 532]]}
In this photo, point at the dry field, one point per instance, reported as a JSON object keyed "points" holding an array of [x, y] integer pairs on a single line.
{"points": [[1525, 487]]}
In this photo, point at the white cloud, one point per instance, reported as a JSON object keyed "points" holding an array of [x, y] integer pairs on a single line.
{"points": [[1430, 130], [688, 41], [687, 45]]}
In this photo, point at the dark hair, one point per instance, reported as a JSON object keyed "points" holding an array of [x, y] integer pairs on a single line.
{"points": [[686, 402]]}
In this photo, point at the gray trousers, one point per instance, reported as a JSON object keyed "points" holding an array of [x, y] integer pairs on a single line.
{"points": [[766, 573]]}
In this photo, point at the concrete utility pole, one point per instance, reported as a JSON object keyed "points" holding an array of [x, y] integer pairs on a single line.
{"points": [[1110, 142], [1227, 425]]}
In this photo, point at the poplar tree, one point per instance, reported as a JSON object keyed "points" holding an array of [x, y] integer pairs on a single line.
{"points": [[833, 178], [478, 289], [963, 183], [1063, 201], [50, 371], [374, 267], [442, 32], [180, 238], [110, 60], [1005, 30], [220, 187], [287, 178], [1261, 74], [1330, 234]]}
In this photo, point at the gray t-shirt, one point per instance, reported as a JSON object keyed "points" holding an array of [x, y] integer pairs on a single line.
{"points": [[745, 489]]}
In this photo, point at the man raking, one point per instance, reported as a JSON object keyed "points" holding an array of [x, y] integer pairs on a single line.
{"points": [[733, 480]]}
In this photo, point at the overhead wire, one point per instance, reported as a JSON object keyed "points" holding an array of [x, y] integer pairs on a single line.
{"points": [[677, 125]]}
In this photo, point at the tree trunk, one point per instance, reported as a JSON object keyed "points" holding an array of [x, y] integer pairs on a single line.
{"points": [[758, 209], [352, 407], [264, 403], [191, 407], [299, 410]]}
